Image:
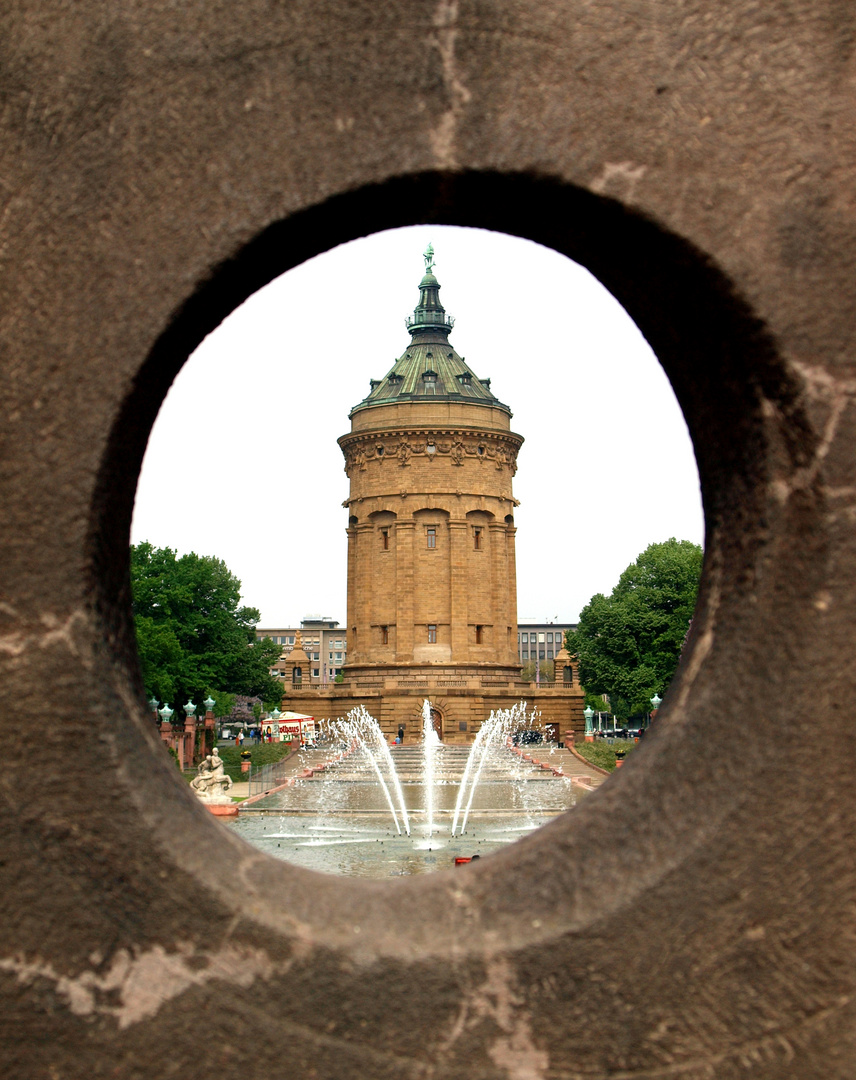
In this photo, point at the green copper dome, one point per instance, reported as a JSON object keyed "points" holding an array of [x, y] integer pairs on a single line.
{"points": [[430, 369]]}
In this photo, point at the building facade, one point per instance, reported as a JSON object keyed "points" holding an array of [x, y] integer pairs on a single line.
{"points": [[323, 640], [432, 593], [541, 641], [326, 643]]}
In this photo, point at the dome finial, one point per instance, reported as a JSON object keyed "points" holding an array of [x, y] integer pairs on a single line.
{"points": [[428, 256]]}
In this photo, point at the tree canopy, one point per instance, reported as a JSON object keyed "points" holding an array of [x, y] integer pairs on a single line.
{"points": [[629, 643], [193, 636]]}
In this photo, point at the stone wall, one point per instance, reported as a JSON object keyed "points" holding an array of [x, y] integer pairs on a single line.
{"points": [[159, 163]]}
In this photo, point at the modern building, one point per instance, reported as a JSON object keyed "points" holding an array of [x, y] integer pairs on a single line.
{"points": [[323, 640], [326, 643], [432, 590], [540, 641]]}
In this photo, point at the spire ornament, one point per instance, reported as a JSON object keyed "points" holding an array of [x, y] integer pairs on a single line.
{"points": [[428, 256]]}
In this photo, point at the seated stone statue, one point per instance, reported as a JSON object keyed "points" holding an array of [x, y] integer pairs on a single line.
{"points": [[211, 782]]}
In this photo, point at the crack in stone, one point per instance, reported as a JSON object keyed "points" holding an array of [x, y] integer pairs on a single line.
{"points": [[57, 632], [146, 982], [495, 999], [444, 135]]}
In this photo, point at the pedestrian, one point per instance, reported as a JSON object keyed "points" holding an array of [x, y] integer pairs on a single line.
{"points": [[241, 738]]}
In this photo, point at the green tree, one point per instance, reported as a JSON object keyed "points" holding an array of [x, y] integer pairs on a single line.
{"points": [[629, 643], [193, 635]]}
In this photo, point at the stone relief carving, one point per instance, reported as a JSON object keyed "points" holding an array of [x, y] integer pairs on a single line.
{"points": [[360, 456]]}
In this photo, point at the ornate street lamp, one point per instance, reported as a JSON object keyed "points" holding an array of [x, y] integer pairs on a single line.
{"points": [[209, 703], [656, 701], [189, 709], [588, 713], [153, 705], [166, 713]]}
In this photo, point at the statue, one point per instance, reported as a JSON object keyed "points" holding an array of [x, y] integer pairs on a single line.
{"points": [[211, 782]]}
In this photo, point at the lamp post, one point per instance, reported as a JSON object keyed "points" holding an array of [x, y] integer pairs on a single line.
{"points": [[153, 705], [166, 713], [588, 713], [656, 701]]}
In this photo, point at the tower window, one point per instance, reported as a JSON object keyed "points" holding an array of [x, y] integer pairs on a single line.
{"points": [[479, 635], [384, 539], [432, 633], [481, 451], [432, 538], [477, 539], [384, 635]]}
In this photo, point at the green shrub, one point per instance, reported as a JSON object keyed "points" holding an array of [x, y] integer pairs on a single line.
{"points": [[263, 754], [601, 753]]}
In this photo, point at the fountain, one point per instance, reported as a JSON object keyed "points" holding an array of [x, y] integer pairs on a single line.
{"points": [[375, 811]]}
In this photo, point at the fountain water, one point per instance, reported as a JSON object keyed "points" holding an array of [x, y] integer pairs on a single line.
{"points": [[494, 731], [361, 727], [336, 813], [430, 745]]}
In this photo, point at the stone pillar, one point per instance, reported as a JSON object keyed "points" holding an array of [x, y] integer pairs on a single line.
{"points": [[351, 619], [499, 586], [404, 613], [208, 734], [188, 742], [458, 588], [360, 592], [511, 589]]}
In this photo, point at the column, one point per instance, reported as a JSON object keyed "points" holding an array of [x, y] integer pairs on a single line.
{"points": [[405, 533], [351, 619], [499, 590], [363, 587], [511, 592], [458, 588]]}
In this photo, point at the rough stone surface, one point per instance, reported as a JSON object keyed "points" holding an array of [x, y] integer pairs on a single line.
{"points": [[158, 163]]}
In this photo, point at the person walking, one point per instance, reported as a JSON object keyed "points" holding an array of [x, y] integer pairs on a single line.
{"points": [[240, 739]]}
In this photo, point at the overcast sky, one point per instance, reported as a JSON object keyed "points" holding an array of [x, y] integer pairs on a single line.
{"points": [[243, 462]]}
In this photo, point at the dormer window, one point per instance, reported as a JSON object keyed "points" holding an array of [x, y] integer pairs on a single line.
{"points": [[394, 380], [429, 376], [465, 379]]}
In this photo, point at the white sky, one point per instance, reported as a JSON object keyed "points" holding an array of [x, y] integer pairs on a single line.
{"points": [[243, 464]]}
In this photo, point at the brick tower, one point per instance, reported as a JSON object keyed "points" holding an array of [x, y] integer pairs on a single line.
{"points": [[432, 593], [430, 457]]}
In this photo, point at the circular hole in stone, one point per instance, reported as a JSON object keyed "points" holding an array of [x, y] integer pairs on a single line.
{"points": [[255, 479]]}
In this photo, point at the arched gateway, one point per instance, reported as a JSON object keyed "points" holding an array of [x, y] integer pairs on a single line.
{"points": [[432, 592]]}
